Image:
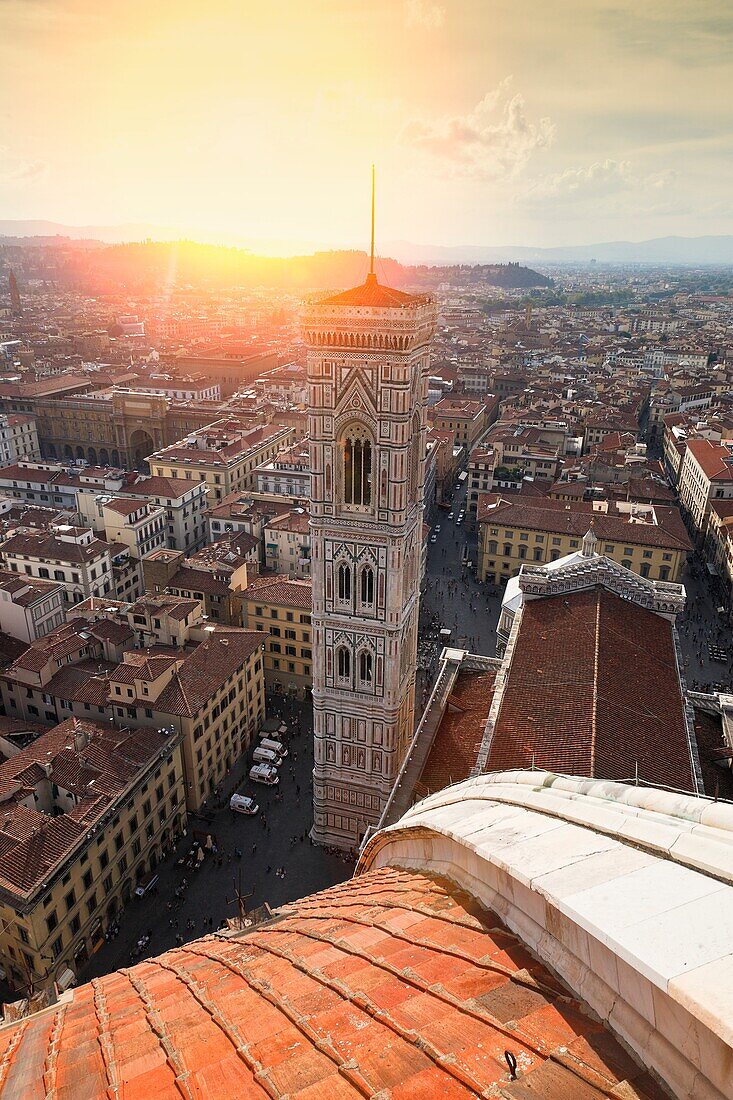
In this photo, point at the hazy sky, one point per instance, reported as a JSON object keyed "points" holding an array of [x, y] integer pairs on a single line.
{"points": [[491, 121]]}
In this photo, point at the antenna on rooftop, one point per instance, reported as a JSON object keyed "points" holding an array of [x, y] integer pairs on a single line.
{"points": [[240, 901], [371, 254]]}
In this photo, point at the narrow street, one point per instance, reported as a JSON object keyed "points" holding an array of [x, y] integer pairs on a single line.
{"points": [[452, 597], [276, 838], [700, 627]]}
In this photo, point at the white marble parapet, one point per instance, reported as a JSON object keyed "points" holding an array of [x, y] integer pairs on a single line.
{"points": [[663, 597], [626, 891]]}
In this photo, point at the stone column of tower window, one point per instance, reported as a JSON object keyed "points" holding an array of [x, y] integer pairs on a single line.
{"points": [[368, 356]]}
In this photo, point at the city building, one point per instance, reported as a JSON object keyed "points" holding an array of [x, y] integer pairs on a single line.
{"points": [[50, 484], [480, 477], [213, 576], [230, 372], [288, 474], [29, 607], [183, 504], [70, 555], [281, 607], [249, 512], [185, 507], [205, 681], [514, 530], [224, 456], [133, 525], [287, 383], [467, 420], [87, 811], [18, 439], [214, 696], [706, 475], [368, 361], [287, 540]]}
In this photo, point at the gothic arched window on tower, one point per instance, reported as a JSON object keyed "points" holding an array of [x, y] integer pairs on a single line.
{"points": [[343, 582], [365, 667], [357, 457], [343, 663], [367, 585], [414, 459]]}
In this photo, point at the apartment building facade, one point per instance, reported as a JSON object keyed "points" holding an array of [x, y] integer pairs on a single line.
{"points": [[73, 556], [29, 607], [223, 456], [72, 859], [647, 539], [287, 541], [282, 607], [706, 475]]}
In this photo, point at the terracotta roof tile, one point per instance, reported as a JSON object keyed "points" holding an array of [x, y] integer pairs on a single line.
{"points": [[394, 983], [593, 690], [279, 590], [459, 734], [372, 293]]}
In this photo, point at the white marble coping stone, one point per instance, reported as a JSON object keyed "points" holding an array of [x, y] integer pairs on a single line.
{"points": [[626, 891]]}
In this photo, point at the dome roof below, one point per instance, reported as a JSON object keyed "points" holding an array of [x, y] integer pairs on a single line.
{"points": [[395, 983]]}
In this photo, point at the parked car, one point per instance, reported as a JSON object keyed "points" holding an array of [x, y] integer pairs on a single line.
{"points": [[264, 773], [450, 515], [437, 528], [265, 756], [433, 538], [274, 746], [243, 804]]}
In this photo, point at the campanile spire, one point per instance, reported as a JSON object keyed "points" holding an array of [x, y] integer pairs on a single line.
{"points": [[371, 253], [368, 365]]}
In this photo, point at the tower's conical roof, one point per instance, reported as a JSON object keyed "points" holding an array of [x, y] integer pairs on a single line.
{"points": [[372, 293]]}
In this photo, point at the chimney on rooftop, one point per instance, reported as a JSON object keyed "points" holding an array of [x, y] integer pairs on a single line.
{"points": [[81, 739]]}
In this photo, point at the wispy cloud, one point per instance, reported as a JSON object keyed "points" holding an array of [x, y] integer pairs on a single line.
{"points": [[602, 188], [493, 141], [14, 168], [593, 181], [425, 14], [696, 34]]}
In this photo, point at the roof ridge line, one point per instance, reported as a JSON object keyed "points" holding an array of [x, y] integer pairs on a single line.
{"points": [[594, 718]]}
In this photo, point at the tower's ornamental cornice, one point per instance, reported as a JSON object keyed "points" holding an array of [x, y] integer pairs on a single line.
{"points": [[370, 308]]}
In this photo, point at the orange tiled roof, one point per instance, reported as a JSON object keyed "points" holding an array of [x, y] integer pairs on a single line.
{"points": [[393, 984], [593, 690], [279, 589], [460, 733], [713, 458], [372, 293]]}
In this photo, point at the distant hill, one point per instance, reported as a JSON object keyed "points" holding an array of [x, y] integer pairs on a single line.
{"points": [[150, 266], [658, 250], [108, 234]]}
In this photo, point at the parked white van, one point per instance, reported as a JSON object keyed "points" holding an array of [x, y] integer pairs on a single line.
{"points": [[265, 756], [274, 746], [264, 773], [243, 804]]}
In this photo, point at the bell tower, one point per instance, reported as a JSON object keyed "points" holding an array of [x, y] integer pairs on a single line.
{"points": [[368, 358]]}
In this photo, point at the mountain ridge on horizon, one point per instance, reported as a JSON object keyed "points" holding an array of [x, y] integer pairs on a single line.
{"points": [[715, 249]]}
